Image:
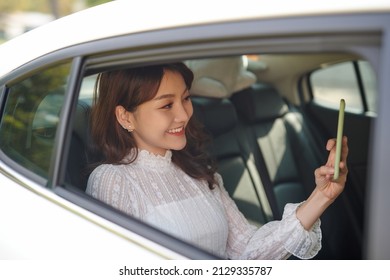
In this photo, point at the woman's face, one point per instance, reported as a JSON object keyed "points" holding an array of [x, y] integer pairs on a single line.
{"points": [[159, 124]]}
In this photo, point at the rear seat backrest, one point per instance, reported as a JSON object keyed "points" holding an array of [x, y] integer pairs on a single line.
{"points": [[82, 153], [78, 154], [240, 176], [285, 149], [215, 80], [262, 112]]}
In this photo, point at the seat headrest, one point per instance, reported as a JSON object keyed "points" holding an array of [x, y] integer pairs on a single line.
{"points": [[220, 77], [261, 102], [218, 115]]}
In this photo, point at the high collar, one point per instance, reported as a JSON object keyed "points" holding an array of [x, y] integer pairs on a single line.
{"points": [[149, 160]]}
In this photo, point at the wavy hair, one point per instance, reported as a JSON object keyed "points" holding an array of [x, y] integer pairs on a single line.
{"points": [[130, 88]]}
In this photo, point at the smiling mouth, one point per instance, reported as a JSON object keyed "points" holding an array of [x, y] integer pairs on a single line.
{"points": [[179, 130]]}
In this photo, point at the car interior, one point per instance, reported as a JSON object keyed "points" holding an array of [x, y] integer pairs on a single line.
{"points": [[268, 136]]}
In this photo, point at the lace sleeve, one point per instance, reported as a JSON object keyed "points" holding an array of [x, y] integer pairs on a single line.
{"points": [[108, 183], [274, 240]]}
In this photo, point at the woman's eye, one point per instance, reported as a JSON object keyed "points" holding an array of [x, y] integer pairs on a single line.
{"points": [[187, 98], [168, 106]]}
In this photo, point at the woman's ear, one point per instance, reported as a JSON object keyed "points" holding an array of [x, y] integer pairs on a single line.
{"points": [[124, 118]]}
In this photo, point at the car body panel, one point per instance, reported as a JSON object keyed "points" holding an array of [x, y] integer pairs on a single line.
{"points": [[46, 227]]}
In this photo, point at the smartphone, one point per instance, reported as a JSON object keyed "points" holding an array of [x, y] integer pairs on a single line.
{"points": [[340, 128]]}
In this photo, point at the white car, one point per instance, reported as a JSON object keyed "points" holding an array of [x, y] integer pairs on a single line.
{"points": [[277, 73]]}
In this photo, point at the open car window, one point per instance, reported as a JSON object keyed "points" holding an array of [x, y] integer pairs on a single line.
{"points": [[258, 131]]}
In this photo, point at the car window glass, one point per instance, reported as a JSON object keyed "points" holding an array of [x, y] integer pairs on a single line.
{"points": [[30, 118], [87, 87], [342, 81], [369, 84]]}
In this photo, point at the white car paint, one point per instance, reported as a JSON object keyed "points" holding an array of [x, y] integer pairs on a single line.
{"points": [[45, 226], [125, 17]]}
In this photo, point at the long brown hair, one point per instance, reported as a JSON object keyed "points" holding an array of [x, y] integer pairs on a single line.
{"points": [[130, 88]]}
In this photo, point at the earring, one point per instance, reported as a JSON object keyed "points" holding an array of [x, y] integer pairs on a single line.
{"points": [[129, 129]]}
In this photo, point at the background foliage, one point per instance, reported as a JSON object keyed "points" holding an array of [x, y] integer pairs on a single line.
{"points": [[58, 8]]}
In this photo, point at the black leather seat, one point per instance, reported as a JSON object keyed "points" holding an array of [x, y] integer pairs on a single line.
{"points": [[286, 155], [79, 157], [236, 167], [274, 136]]}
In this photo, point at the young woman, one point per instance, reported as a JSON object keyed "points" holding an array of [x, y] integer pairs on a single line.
{"points": [[156, 169]]}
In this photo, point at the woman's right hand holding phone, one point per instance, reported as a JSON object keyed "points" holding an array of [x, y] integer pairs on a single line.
{"points": [[325, 183], [327, 189]]}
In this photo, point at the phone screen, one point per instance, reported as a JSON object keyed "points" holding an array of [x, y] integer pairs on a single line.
{"points": [[340, 127]]}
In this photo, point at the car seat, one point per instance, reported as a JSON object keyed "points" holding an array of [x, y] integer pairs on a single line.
{"points": [[210, 92]]}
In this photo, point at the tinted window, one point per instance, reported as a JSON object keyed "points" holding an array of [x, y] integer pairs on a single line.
{"points": [[30, 118]]}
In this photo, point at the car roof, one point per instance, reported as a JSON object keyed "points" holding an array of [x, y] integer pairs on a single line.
{"points": [[122, 17]]}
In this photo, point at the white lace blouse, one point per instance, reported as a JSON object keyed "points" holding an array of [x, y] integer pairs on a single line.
{"points": [[156, 191]]}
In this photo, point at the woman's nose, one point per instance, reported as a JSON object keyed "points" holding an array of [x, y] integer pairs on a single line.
{"points": [[183, 112]]}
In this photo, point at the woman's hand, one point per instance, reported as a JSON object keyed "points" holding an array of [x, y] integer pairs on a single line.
{"points": [[324, 174], [327, 189]]}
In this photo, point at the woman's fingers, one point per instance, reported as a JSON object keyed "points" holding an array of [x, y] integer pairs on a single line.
{"points": [[330, 144], [331, 147], [324, 171]]}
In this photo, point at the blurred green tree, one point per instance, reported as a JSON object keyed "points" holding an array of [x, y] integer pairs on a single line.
{"points": [[58, 8]]}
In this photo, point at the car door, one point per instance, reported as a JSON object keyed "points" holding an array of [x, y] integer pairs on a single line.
{"points": [[35, 222], [246, 37]]}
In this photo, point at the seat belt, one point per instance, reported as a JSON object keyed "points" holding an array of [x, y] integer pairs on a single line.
{"points": [[262, 169]]}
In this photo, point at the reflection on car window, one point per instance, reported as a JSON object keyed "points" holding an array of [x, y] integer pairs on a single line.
{"points": [[31, 115], [353, 81]]}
